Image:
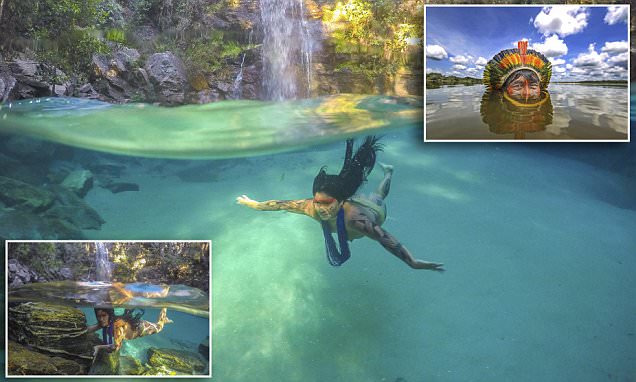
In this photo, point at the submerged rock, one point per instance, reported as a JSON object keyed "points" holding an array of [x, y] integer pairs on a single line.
{"points": [[14, 193], [71, 208], [26, 225], [22, 361], [105, 363], [177, 360], [130, 366], [52, 329], [117, 187], [79, 181]]}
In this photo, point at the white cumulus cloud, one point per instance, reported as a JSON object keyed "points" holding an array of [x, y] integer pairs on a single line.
{"points": [[562, 20], [616, 14], [552, 46], [557, 61], [619, 60], [459, 67], [436, 52], [615, 47], [460, 59], [590, 59]]}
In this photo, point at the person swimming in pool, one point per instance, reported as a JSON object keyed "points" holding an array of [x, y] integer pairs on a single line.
{"points": [[338, 209], [116, 329]]}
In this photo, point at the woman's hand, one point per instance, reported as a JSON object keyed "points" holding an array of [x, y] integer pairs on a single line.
{"points": [[246, 201]]}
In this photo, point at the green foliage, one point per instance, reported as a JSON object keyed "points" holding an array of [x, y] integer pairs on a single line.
{"points": [[380, 35], [40, 257], [51, 17], [208, 53], [73, 50], [116, 35], [61, 32], [437, 80]]}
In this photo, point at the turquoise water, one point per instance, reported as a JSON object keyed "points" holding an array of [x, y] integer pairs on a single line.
{"points": [[216, 130], [537, 246], [185, 333]]}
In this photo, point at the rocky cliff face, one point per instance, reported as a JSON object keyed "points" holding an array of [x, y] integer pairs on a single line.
{"points": [[197, 52]]}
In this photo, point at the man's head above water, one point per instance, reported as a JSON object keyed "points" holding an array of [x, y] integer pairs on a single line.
{"points": [[521, 73], [523, 85]]}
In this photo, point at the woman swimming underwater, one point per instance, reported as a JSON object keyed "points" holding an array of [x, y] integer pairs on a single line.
{"points": [[338, 209]]}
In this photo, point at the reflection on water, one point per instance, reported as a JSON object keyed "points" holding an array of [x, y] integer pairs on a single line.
{"points": [[217, 130], [507, 116], [76, 293], [578, 112]]}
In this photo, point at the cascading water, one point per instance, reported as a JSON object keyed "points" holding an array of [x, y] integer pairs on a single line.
{"points": [[102, 264], [236, 89], [287, 49]]}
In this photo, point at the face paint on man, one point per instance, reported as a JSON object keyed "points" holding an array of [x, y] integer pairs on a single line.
{"points": [[523, 85]]}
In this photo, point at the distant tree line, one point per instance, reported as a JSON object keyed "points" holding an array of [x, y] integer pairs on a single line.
{"points": [[437, 80]]}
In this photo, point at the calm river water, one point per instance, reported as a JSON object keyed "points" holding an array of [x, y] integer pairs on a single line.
{"points": [[566, 112]]}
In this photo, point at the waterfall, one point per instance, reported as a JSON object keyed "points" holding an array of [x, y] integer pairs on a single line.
{"points": [[236, 90], [287, 49], [102, 265]]}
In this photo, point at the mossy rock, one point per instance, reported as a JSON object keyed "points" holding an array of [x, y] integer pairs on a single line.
{"points": [[177, 360], [15, 193], [130, 366], [54, 329], [105, 363], [22, 361]]}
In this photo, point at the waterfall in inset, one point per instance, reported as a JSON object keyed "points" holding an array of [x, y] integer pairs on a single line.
{"points": [[287, 49], [102, 265]]}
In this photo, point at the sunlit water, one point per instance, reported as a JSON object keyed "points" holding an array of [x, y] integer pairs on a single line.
{"points": [[218, 130], [185, 333], [577, 112], [538, 251], [77, 293]]}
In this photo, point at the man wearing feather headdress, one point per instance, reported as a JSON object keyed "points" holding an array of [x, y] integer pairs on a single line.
{"points": [[521, 74]]}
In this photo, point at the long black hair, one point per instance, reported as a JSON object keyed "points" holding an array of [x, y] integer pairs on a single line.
{"points": [[354, 172]]}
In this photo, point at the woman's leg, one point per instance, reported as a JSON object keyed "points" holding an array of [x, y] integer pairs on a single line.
{"points": [[146, 328], [385, 185]]}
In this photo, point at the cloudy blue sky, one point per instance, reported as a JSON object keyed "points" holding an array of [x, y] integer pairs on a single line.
{"points": [[583, 43]]}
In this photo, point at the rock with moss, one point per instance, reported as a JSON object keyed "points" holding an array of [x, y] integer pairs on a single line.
{"points": [[22, 361], [105, 363], [71, 208], [130, 366], [118, 77], [177, 360], [17, 194], [79, 181], [52, 329]]}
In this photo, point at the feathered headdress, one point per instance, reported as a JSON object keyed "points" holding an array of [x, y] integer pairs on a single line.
{"points": [[509, 61]]}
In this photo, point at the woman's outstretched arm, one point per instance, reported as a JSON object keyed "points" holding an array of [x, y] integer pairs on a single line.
{"points": [[296, 206], [369, 228]]}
